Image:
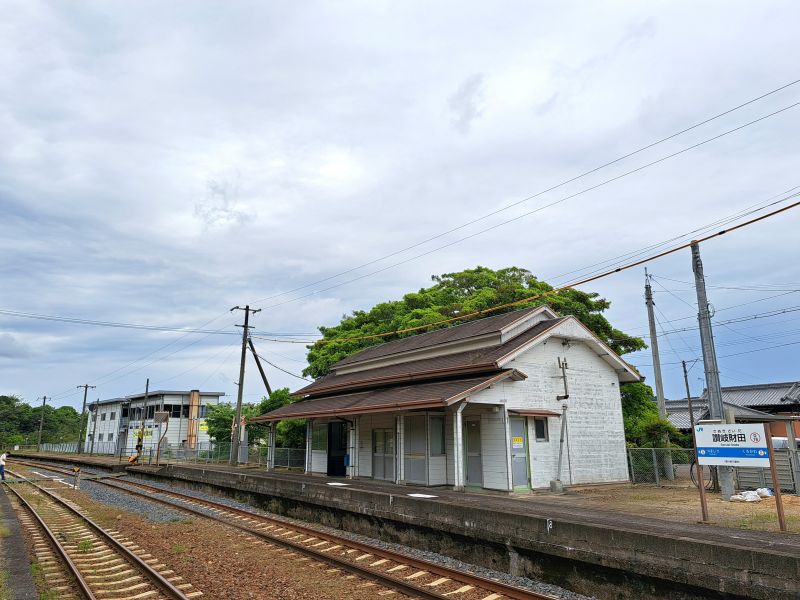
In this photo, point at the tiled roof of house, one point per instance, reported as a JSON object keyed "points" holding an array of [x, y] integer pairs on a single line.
{"points": [[437, 394], [464, 331], [462, 363]]}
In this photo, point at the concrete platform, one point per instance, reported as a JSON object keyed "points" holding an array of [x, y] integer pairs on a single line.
{"points": [[595, 552]]}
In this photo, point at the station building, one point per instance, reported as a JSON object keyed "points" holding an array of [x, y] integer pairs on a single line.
{"points": [[115, 423], [478, 405]]}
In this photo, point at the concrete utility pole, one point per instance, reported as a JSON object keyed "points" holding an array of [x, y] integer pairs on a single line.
{"points": [[86, 387], [234, 458], [651, 319], [688, 396], [94, 428], [41, 425], [662, 406], [713, 387]]}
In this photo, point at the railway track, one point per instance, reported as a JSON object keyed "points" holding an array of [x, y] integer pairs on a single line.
{"points": [[409, 575], [80, 559]]}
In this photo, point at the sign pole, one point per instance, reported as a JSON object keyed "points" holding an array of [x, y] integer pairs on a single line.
{"points": [[775, 480], [700, 482]]}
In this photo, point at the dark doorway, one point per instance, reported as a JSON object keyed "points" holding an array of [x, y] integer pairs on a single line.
{"points": [[337, 448]]}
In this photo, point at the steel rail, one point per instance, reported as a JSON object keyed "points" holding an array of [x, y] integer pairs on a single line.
{"points": [[85, 590], [156, 578], [509, 591]]}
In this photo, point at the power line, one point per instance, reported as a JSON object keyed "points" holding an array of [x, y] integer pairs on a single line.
{"points": [[81, 321], [282, 369], [583, 281], [537, 194]]}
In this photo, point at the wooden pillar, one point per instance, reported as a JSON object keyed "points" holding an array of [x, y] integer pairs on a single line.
{"points": [[309, 430], [458, 448]]}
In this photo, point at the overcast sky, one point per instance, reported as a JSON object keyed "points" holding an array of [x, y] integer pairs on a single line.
{"points": [[162, 162]]}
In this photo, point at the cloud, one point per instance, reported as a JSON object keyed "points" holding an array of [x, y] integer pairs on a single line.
{"points": [[11, 347], [161, 166], [466, 104]]}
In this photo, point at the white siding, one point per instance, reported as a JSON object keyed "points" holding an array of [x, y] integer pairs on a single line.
{"points": [[367, 423], [448, 440], [595, 447], [494, 451], [319, 461]]}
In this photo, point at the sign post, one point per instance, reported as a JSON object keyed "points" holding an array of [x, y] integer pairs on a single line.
{"points": [[738, 445], [776, 484]]}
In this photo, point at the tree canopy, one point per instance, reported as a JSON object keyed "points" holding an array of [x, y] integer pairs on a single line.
{"points": [[19, 423], [643, 425], [452, 294], [291, 433]]}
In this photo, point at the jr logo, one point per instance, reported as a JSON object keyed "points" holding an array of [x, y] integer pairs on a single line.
{"points": [[755, 438]]}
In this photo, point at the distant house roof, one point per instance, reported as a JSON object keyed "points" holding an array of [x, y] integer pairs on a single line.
{"points": [[438, 394], [747, 402], [464, 331]]}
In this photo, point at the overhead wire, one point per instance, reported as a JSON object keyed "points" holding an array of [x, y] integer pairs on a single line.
{"points": [[537, 194], [538, 209], [556, 290]]}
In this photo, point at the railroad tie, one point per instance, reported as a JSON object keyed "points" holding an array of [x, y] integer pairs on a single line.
{"points": [[462, 590]]}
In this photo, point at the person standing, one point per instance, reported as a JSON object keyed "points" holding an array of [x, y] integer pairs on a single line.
{"points": [[3, 466]]}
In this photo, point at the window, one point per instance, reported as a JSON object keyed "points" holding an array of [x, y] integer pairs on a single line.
{"points": [[436, 433], [175, 412], [203, 411], [102, 416], [124, 412], [319, 436], [100, 436], [540, 427], [113, 416], [110, 437]]}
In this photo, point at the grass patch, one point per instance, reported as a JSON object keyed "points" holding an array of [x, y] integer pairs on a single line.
{"points": [[179, 548], [4, 531], [4, 593], [85, 546]]}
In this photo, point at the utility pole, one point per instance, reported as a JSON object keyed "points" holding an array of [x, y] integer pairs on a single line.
{"points": [[688, 396], [662, 406], [651, 319], [713, 387], [94, 429], [237, 423], [86, 387], [258, 364], [144, 414], [41, 425]]}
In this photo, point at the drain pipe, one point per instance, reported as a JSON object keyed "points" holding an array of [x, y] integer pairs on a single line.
{"points": [[556, 485]]}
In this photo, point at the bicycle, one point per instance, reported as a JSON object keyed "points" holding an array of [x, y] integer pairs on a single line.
{"points": [[709, 475]]}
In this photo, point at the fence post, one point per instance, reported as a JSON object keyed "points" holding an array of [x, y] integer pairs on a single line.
{"points": [[655, 466], [633, 468]]}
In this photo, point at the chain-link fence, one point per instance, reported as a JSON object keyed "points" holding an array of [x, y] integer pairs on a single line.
{"points": [[209, 452], [660, 465]]}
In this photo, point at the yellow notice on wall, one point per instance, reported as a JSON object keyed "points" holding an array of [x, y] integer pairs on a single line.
{"points": [[203, 425], [517, 442]]}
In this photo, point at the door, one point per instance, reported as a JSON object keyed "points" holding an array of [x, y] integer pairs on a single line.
{"points": [[383, 454], [519, 453], [474, 466], [337, 448]]}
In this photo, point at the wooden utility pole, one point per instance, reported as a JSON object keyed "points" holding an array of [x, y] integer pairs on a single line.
{"points": [[237, 422], [86, 387], [94, 428], [144, 414], [41, 425], [713, 387]]}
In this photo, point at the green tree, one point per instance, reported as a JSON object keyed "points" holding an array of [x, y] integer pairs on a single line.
{"points": [[461, 293], [19, 423], [643, 425], [291, 433]]}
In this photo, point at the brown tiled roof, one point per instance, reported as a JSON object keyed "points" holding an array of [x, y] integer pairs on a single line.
{"points": [[463, 363], [426, 395], [440, 336]]}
